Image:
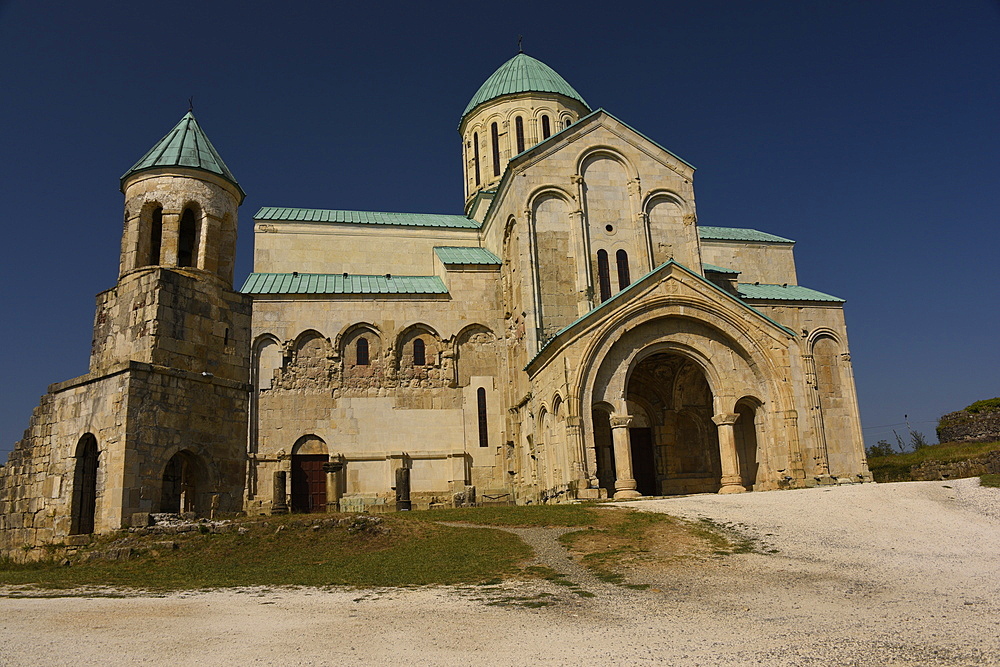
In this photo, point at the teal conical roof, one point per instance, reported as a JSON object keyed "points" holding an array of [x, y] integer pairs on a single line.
{"points": [[522, 74], [185, 146]]}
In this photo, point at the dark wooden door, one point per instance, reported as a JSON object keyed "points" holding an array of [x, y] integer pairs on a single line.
{"points": [[643, 466], [309, 483]]}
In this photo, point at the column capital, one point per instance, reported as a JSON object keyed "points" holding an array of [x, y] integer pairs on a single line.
{"points": [[725, 418], [621, 421]]}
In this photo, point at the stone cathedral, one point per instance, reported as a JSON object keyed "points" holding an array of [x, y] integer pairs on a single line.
{"points": [[574, 334]]}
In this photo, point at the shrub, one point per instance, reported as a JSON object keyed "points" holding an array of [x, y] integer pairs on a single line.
{"points": [[986, 405], [881, 448]]}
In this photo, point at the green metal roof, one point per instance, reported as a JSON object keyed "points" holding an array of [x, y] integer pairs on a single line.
{"points": [[522, 74], [756, 291], [186, 145], [340, 283], [465, 255], [718, 269], [366, 217], [737, 234]]}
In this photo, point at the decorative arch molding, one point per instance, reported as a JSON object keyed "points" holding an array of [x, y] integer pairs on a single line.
{"points": [[823, 332], [415, 328], [256, 348], [351, 330], [602, 151], [544, 110], [547, 191], [735, 328], [653, 197]]}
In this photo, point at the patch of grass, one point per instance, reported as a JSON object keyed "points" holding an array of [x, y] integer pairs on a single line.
{"points": [[990, 480], [626, 540], [896, 468], [283, 551], [515, 515]]}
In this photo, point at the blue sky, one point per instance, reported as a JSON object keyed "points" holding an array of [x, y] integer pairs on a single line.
{"points": [[867, 131]]}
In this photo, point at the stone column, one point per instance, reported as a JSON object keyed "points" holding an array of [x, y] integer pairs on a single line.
{"points": [[279, 504], [624, 482], [731, 480], [169, 237]]}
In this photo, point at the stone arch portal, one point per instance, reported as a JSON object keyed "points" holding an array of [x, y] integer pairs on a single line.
{"points": [[672, 440], [664, 413]]}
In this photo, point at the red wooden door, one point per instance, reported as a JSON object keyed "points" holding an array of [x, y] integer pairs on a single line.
{"points": [[309, 483]]}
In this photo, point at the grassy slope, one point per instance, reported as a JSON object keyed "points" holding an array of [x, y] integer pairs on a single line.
{"points": [[417, 550], [896, 468]]}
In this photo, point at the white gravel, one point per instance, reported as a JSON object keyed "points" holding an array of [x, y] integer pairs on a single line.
{"points": [[899, 574]]}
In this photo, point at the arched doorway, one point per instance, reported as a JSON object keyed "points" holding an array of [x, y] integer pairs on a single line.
{"points": [[674, 443], [183, 481], [745, 432], [308, 477], [84, 505]]}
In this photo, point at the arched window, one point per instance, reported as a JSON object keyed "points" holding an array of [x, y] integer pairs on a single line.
{"points": [[603, 275], [84, 486], [187, 240], [155, 236], [567, 122], [495, 137], [475, 152], [623, 276], [361, 348], [419, 352], [519, 133], [484, 435], [546, 130]]}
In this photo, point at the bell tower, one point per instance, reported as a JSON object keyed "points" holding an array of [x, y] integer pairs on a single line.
{"points": [[176, 329]]}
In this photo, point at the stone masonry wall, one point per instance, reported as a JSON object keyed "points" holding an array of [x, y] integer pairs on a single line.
{"points": [[963, 426]]}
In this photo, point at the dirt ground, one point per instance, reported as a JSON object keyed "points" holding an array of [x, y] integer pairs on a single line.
{"points": [[891, 574]]}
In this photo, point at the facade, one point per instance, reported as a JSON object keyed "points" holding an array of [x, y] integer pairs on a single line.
{"points": [[574, 334]]}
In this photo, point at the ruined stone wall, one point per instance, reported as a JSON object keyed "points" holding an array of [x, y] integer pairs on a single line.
{"points": [[981, 465], [965, 426], [36, 485]]}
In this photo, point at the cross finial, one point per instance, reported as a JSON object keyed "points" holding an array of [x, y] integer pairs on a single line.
{"points": [[519, 49], [191, 104]]}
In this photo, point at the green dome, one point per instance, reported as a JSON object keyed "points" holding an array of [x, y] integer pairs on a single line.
{"points": [[522, 74], [185, 146]]}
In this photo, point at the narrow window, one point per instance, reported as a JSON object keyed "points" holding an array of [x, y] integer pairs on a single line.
{"points": [[603, 275], [187, 240], [475, 150], [546, 131], [155, 236], [361, 349], [484, 436], [566, 122], [419, 352], [623, 277], [495, 136], [519, 132]]}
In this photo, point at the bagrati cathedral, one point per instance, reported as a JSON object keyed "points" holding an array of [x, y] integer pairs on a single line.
{"points": [[575, 334]]}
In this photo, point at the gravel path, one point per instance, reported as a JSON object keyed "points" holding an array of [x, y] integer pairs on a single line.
{"points": [[872, 575]]}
